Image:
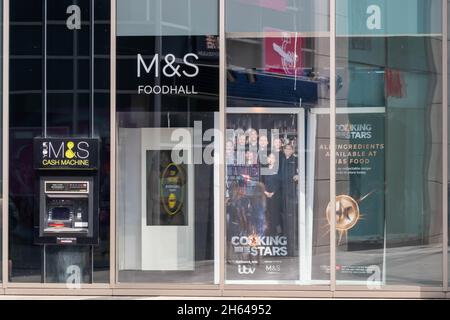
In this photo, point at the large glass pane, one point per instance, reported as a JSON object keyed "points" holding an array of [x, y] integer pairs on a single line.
{"points": [[277, 181], [389, 143], [74, 106], [166, 17], [167, 110], [287, 15]]}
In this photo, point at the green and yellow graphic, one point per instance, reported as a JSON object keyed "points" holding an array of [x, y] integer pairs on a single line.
{"points": [[172, 190]]}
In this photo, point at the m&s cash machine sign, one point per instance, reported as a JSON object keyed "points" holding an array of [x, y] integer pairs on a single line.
{"points": [[66, 154]]}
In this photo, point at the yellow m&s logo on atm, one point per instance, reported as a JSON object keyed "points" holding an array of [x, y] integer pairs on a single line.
{"points": [[69, 152], [66, 150], [66, 153]]}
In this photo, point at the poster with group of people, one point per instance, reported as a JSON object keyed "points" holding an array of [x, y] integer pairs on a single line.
{"points": [[262, 197]]}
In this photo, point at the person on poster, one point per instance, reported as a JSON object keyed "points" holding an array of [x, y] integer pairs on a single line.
{"points": [[253, 143], [237, 215], [240, 148], [230, 159], [250, 158], [276, 149], [289, 191], [252, 140], [258, 211], [276, 145], [263, 150], [230, 156], [272, 185]]}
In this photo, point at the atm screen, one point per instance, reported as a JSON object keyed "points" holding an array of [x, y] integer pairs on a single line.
{"points": [[61, 213]]}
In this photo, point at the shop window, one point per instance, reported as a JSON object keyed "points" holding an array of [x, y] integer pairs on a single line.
{"points": [[167, 111], [68, 106], [389, 143], [277, 172]]}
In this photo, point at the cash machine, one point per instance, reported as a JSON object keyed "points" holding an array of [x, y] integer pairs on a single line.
{"points": [[67, 198], [66, 207]]}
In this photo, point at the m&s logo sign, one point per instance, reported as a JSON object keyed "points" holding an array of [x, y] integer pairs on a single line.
{"points": [[66, 150], [170, 67], [65, 153]]}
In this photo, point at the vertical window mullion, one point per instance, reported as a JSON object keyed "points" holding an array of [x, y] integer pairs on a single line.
{"points": [[5, 145], [222, 114], [333, 142], [445, 143]]}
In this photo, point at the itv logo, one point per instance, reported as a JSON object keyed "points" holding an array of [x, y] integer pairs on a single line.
{"points": [[242, 269]]}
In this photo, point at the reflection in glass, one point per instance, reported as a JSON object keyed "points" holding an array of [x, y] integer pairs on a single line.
{"points": [[277, 185], [167, 17], [389, 160], [167, 208], [281, 15]]}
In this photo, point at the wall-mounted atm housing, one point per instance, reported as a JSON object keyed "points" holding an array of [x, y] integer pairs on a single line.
{"points": [[68, 191]]}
